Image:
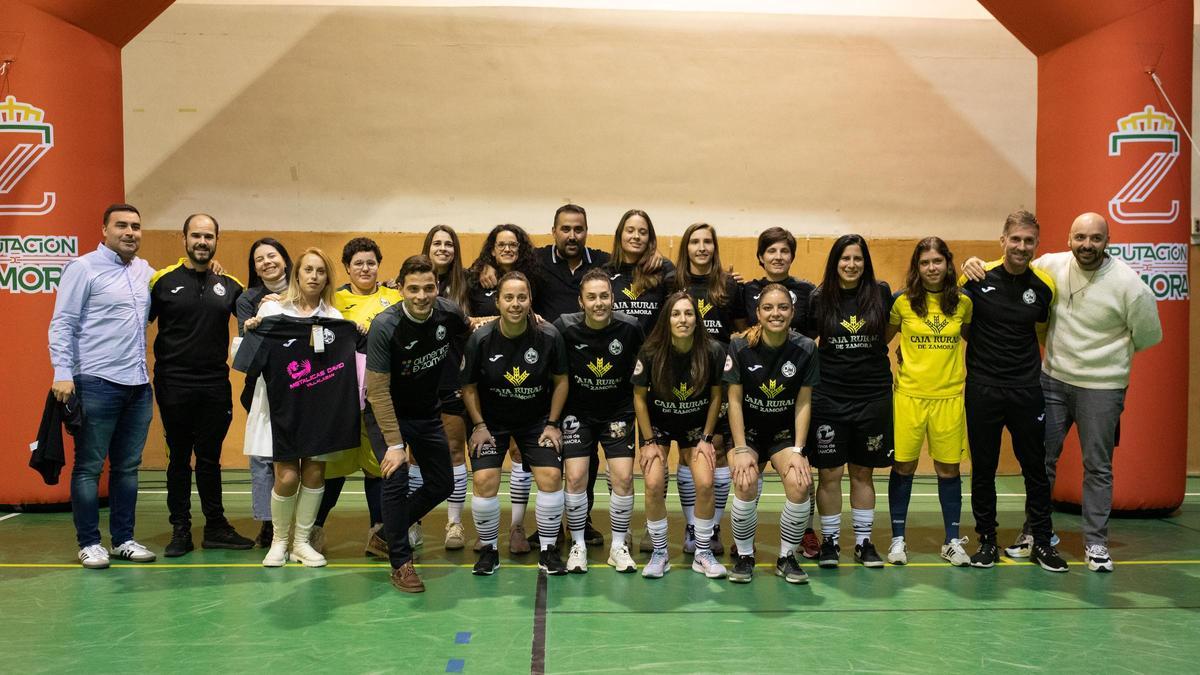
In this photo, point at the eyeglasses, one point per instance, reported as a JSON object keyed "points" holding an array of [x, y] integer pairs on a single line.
{"points": [[507, 246]]}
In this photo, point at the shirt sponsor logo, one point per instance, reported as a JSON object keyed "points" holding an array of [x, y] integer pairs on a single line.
{"points": [[289, 342], [704, 306], [630, 292], [853, 324], [771, 389], [34, 263], [176, 290], [410, 345], [936, 322], [298, 369], [599, 367], [684, 391], [1163, 267], [27, 137], [495, 357], [516, 376], [987, 289]]}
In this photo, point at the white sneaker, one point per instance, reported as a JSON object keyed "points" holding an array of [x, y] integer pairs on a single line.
{"points": [[955, 554], [134, 552], [660, 564], [898, 553], [706, 563], [277, 555], [1021, 547], [577, 558], [93, 557], [1098, 559], [306, 555], [456, 537], [415, 539], [620, 559]]}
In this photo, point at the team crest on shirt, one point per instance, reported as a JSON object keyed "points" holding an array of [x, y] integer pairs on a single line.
{"points": [[531, 356], [599, 367], [516, 376], [637, 368], [384, 302], [615, 347], [853, 324], [440, 333], [1028, 296], [219, 289], [789, 369], [328, 336]]}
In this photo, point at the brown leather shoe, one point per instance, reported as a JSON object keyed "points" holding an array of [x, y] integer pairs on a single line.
{"points": [[405, 579], [518, 543]]}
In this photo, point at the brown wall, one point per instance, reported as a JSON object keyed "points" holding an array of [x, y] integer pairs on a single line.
{"points": [[890, 256]]}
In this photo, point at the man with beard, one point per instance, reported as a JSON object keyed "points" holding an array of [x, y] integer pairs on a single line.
{"points": [[193, 306]]}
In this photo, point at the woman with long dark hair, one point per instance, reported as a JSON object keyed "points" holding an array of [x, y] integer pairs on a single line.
{"points": [[269, 265], [932, 317], [771, 372], [641, 276], [514, 379], [443, 249], [852, 406], [677, 397], [719, 300]]}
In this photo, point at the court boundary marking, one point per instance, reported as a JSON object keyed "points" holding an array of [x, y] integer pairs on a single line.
{"points": [[534, 566]]}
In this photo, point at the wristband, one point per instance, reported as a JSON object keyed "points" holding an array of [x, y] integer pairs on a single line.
{"points": [[554, 423], [653, 440], [706, 438], [476, 427], [799, 450], [742, 449], [398, 446]]}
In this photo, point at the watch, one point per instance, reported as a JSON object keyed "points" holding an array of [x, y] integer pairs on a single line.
{"points": [[706, 438], [399, 446], [799, 450], [554, 423]]}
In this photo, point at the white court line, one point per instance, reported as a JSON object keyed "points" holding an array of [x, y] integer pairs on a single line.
{"points": [[637, 494], [11, 515]]}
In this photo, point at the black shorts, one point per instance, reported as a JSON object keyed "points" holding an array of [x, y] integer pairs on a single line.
{"points": [[581, 434], [765, 442], [722, 428], [851, 431], [532, 454], [452, 403]]}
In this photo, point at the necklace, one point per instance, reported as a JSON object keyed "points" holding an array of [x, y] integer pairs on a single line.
{"points": [[1071, 292]]}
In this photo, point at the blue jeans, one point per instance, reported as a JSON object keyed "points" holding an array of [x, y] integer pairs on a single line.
{"points": [[116, 420]]}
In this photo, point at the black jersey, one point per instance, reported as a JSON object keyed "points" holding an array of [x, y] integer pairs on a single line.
{"points": [[641, 304], [854, 363], [313, 396], [193, 310], [684, 410], [449, 380], [771, 379], [247, 305], [513, 375], [482, 300], [559, 284], [415, 353], [799, 289], [1003, 350], [599, 363], [718, 319]]}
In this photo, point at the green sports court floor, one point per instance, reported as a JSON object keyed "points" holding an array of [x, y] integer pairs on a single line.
{"points": [[221, 612]]}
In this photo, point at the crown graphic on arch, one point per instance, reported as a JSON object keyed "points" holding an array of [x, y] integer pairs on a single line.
{"points": [[1148, 120], [13, 111]]}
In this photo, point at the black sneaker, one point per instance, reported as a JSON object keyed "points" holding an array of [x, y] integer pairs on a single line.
{"points": [[743, 570], [1047, 557], [830, 552], [488, 561], [715, 544], [551, 562], [987, 555], [265, 534], [181, 542], [592, 536], [866, 554], [790, 570], [224, 536]]}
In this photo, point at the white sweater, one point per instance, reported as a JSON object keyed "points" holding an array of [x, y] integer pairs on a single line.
{"points": [[1099, 319]]}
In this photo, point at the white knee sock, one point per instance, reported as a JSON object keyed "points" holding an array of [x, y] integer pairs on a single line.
{"points": [[744, 518], [793, 520], [548, 507], [620, 511], [519, 482], [576, 515], [459, 496], [687, 493], [486, 513]]}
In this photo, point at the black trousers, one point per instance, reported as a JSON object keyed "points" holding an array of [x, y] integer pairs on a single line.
{"points": [[426, 440], [195, 421], [1022, 411]]}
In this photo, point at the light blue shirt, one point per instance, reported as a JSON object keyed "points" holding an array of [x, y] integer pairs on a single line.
{"points": [[100, 315]]}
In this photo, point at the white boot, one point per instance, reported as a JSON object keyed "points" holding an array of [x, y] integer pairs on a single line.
{"points": [[306, 515], [283, 511]]}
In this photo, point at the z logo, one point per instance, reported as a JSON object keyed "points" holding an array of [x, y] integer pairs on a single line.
{"points": [[1147, 126]]}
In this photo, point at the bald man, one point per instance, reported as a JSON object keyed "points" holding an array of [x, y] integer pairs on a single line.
{"points": [[1103, 314]]}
